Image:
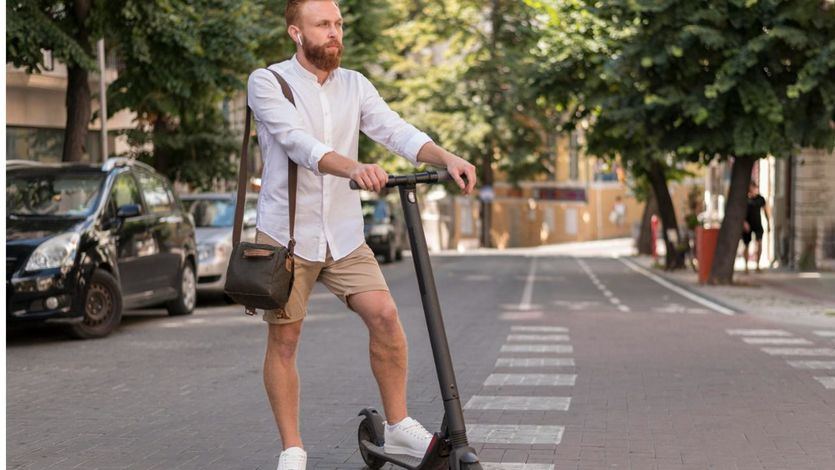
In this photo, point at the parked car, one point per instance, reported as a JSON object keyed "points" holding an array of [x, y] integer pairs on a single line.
{"points": [[85, 241], [385, 230], [213, 215]]}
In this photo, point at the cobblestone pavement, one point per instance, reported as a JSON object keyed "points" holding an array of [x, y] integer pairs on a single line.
{"points": [[562, 362]]}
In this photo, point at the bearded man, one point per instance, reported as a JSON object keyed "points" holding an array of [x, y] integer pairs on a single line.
{"points": [[321, 134]]}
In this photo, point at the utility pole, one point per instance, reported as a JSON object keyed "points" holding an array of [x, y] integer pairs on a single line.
{"points": [[102, 100]]}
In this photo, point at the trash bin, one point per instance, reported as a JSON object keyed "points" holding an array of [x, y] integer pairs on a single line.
{"points": [[706, 240]]}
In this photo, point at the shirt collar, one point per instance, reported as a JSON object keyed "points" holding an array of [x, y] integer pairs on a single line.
{"points": [[307, 74]]}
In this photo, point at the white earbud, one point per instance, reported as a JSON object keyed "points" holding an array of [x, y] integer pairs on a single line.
{"points": [[299, 37]]}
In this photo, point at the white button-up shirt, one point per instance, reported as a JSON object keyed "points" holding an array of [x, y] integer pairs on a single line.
{"points": [[326, 118]]}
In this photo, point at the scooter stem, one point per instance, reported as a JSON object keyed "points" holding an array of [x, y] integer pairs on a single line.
{"points": [[457, 433]]}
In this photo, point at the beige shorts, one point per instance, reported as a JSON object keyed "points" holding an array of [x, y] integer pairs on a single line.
{"points": [[355, 273]]}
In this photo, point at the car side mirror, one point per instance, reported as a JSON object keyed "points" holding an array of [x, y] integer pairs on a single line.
{"points": [[128, 210]]}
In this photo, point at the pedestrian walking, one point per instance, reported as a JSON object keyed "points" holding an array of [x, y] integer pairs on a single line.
{"points": [[753, 226], [321, 134]]}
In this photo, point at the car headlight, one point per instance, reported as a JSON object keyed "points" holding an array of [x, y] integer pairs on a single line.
{"points": [[57, 252], [204, 252], [213, 251], [379, 230]]}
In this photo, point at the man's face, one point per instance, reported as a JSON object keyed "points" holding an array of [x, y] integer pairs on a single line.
{"points": [[321, 30], [753, 190]]}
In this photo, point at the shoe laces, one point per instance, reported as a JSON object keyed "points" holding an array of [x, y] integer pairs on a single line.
{"points": [[293, 458], [415, 429]]}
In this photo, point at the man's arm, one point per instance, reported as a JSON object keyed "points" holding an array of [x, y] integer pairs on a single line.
{"points": [[457, 167]]}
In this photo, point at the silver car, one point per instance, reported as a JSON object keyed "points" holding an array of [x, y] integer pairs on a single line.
{"points": [[213, 215]]}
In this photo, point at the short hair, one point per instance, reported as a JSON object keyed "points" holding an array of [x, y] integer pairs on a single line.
{"points": [[291, 12]]}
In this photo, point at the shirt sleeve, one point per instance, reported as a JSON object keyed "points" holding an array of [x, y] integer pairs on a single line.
{"points": [[386, 127], [282, 120]]}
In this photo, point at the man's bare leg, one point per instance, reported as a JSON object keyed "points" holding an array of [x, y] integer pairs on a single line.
{"points": [[746, 257], [759, 255], [387, 348], [281, 379]]}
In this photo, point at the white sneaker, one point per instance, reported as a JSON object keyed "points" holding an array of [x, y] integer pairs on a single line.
{"points": [[407, 437], [294, 458]]}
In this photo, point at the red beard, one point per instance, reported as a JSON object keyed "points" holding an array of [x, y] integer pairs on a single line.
{"points": [[324, 57]]}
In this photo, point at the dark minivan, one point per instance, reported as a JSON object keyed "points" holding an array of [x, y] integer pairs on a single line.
{"points": [[84, 241]]}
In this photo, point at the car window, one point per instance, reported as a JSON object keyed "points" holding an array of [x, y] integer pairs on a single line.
{"points": [[157, 196], [54, 194], [124, 191]]}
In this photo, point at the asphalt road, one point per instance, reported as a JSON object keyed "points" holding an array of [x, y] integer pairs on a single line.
{"points": [[563, 362]]}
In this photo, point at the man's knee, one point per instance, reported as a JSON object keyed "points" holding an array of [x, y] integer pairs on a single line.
{"points": [[283, 340], [384, 318]]}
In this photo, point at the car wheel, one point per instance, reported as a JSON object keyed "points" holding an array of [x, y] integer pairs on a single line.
{"points": [[102, 307], [187, 298], [398, 255]]}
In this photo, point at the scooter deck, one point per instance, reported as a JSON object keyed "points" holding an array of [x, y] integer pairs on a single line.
{"points": [[405, 461]]}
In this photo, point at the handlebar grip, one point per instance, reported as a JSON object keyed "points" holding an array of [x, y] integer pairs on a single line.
{"points": [[428, 177]]}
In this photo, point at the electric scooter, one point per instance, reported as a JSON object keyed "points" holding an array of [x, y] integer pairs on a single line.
{"points": [[449, 448]]}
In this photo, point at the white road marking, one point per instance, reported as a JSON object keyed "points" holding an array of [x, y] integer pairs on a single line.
{"points": [[678, 290], [527, 315], [516, 466], [828, 365], [826, 333], [540, 329], [525, 303], [538, 348], [481, 402], [624, 308], [828, 382], [777, 341], [602, 287], [514, 434], [533, 380], [758, 332], [534, 362], [553, 338], [799, 351]]}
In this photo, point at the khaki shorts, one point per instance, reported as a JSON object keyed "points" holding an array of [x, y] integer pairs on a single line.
{"points": [[358, 272]]}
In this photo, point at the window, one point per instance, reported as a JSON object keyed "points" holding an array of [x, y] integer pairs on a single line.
{"points": [[46, 145], [124, 192], [156, 193]]}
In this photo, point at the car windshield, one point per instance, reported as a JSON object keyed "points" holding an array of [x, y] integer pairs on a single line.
{"points": [[373, 211], [212, 212], [52, 194]]}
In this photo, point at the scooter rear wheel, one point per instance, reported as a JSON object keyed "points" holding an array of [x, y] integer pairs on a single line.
{"points": [[364, 433]]}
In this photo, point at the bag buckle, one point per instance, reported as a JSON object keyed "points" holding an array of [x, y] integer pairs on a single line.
{"points": [[250, 311]]}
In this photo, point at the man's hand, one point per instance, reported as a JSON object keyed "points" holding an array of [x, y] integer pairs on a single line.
{"points": [[459, 169], [369, 177], [746, 226]]}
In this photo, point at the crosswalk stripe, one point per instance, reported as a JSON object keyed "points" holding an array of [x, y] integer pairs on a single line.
{"points": [[830, 365], [483, 402], [828, 382], [825, 333], [534, 362], [516, 466], [762, 340], [539, 329], [554, 338], [800, 351], [534, 380], [760, 332], [514, 434], [538, 348]]}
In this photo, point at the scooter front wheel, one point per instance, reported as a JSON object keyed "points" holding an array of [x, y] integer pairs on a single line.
{"points": [[365, 433]]}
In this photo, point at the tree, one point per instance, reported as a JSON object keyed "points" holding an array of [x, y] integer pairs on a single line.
{"points": [[181, 59], [67, 28], [462, 71], [728, 80]]}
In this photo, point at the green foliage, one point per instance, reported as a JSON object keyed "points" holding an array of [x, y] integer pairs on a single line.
{"points": [[34, 25], [181, 59]]}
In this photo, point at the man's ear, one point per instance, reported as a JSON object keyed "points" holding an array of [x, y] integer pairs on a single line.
{"points": [[295, 34]]}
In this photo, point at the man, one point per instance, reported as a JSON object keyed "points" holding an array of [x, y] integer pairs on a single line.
{"points": [[321, 133], [753, 223]]}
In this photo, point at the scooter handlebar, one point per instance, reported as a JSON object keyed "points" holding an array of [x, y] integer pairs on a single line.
{"points": [[426, 177]]}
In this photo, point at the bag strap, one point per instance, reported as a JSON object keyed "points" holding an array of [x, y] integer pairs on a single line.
{"points": [[292, 176]]}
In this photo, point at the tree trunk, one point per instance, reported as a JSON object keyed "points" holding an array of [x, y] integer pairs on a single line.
{"points": [[674, 259], [162, 160], [645, 236], [79, 109], [78, 114], [731, 230]]}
